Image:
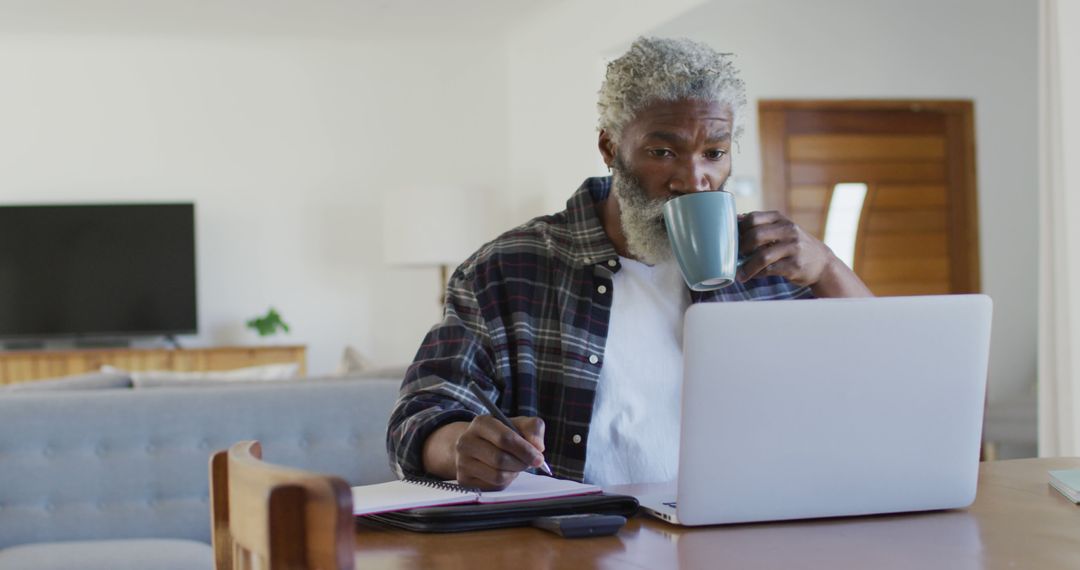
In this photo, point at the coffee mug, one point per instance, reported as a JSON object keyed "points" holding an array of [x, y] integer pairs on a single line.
{"points": [[703, 231]]}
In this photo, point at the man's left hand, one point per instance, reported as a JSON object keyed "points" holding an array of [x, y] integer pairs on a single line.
{"points": [[774, 245]]}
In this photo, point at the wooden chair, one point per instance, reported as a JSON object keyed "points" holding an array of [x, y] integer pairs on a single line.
{"points": [[265, 516]]}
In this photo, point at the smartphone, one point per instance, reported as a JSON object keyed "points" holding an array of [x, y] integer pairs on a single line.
{"points": [[581, 525]]}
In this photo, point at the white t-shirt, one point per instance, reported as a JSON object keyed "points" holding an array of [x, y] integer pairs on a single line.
{"points": [[634, 432]]}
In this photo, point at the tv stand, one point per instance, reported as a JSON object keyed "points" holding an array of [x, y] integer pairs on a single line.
{"points": [[26, 365], [23, 345], [102, 343]]}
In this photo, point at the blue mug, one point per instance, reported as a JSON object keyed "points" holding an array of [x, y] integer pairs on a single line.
{"points": [[703, 230]]}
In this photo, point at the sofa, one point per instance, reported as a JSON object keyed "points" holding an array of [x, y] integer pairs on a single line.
{"points": [[95, 474]]}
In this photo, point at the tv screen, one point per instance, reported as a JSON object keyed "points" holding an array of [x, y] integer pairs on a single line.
{"points": [[97, 270]]}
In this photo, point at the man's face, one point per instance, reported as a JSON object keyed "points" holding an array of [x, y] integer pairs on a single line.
{"points": [[669, 149]]}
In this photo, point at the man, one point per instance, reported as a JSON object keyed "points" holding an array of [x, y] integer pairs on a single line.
{"points": [[572, 322]]}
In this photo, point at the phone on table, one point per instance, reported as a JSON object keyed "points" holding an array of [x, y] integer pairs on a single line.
{"points": [[581, 525]]}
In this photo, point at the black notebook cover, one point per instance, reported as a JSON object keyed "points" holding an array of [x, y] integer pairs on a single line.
{"points": [[459, 518]]}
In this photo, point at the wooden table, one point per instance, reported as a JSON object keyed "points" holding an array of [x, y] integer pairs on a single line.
{"points": [[1017, 521]]}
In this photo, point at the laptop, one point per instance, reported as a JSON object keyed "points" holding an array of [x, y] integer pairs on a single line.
{"points": [[829, 408]]}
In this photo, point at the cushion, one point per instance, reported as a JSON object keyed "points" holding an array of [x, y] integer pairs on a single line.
{"points": [[91, 381], [143, 554], [163, 378]]}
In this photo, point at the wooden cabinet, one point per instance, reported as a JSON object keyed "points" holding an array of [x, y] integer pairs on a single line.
{"points": [[28, 365]]}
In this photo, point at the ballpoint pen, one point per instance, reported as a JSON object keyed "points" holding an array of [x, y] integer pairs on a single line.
{"points": [[499, 415]]}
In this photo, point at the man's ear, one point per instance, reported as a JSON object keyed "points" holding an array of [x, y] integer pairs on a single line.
{"points": [[607, 147]]}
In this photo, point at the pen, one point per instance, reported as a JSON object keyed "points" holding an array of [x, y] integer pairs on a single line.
{"points": [[499, 415]]}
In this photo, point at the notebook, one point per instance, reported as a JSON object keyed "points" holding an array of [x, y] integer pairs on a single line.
{"points": [[1067, 481], [410, 493]]}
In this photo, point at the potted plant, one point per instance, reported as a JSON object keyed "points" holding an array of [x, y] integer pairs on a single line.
{"points": [[268, 325]]}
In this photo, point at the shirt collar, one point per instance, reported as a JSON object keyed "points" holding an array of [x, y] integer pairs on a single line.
{"points": [[591, 242]]}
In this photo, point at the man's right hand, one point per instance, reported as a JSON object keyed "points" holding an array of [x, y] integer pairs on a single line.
{"points": [[484, 453]]}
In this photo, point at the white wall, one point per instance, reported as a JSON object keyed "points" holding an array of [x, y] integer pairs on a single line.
{"points": [[1069, 88], [287, 147], [555, 67], [984, 50]]}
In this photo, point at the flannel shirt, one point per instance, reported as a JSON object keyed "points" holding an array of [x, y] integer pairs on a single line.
{"points": [[526, 318]]}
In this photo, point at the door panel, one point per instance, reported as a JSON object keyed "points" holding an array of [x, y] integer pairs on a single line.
{"points": [[882, 148], [806, 173], [919, 269], [908, 244], [808, 206], [905, 197], [905, 221], [814, 197], [891, 117]]}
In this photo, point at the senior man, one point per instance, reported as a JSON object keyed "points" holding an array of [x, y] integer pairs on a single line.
{"points": [[572, 322]]}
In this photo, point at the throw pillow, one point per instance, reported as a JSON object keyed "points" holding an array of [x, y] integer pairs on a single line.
{"points": [[264, 373], [351, 362]]}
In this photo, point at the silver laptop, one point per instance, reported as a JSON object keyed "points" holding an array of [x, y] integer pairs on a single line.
{"points": [[830, 407]]}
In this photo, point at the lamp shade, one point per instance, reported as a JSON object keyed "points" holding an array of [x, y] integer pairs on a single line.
{"points": [[433, 225]]}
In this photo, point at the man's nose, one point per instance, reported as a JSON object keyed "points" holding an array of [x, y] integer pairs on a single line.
{"points": [[691, 177]]}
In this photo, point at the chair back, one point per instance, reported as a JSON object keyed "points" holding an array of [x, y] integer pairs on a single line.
{"points": [[270, 517]]}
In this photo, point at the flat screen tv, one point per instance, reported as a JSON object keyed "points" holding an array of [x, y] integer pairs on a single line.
{"points": [[97, 271]]}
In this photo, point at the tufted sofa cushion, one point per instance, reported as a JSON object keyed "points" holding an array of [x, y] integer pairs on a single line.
{"points": [[120, 464], [146, 554]]}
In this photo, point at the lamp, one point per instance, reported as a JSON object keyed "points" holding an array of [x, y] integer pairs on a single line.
{"points": [[433, 227]]}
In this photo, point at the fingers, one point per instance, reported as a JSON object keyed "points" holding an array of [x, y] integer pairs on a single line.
{"points": [[773, 245], [489, 454], [533, 429], [513, 451], [769, 260], [759, 231], [753, 219], [486, 478]]}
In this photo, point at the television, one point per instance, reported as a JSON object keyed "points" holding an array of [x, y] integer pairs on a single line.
{"points": [[104, 271]]}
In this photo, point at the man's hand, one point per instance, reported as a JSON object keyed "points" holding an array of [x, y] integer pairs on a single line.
{"points": [[484, 453], [774, 245]]}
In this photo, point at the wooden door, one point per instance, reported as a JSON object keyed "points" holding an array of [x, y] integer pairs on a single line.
{"points": [[917, 232]]}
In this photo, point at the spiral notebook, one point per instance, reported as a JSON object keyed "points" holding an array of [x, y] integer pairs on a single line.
{"points": [[410, 493]]}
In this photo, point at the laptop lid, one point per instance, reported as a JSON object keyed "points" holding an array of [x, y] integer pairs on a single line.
{"points": [[831, 407]]}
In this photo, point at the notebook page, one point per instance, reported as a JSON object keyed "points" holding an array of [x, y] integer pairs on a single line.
{"points": [[399, 495], [528, 487]]}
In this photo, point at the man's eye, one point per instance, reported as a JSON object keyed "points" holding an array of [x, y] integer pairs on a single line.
{"points": [[715, 154], [661, 152]]}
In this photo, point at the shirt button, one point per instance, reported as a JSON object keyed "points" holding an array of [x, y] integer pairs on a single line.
{"points": [[601, 289], [593, 359], [612, 263], [576, 438]]}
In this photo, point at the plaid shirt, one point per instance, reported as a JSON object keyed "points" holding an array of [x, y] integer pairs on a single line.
{"points": [[526, 318]]}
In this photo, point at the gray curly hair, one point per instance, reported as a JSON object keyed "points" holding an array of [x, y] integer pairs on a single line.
{"points": [[662, 69]]}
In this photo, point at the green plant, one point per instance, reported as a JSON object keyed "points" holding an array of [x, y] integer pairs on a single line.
{"points": [[268, 324]]}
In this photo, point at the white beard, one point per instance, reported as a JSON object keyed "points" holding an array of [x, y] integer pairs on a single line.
{"points": [[641, 218]]}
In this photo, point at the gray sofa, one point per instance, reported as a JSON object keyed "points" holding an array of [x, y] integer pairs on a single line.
{"points": [[115, 478]]}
